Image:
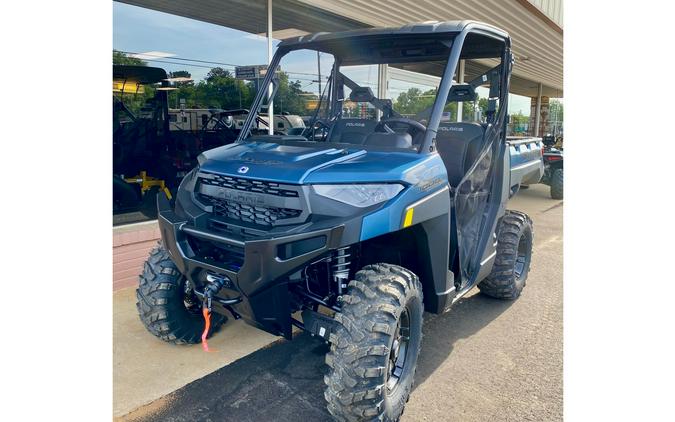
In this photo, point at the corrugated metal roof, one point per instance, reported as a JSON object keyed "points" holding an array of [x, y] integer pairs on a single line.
{"points": [[251, 15], [537, 45]]}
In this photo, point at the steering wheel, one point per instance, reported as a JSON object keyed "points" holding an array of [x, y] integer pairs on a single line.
{"points": [[317, 125], [383, 125]]}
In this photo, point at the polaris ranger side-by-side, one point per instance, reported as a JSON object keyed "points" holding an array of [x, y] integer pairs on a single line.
{"points": [[359, 224]]}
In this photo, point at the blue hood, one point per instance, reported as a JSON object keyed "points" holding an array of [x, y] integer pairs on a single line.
{"points": [[317, 164]]}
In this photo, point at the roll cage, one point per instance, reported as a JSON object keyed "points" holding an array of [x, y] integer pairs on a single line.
{"points": [[462, 40]]}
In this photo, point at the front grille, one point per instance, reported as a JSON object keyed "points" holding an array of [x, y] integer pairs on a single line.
{"points": [[246, 185], [265, 216]]}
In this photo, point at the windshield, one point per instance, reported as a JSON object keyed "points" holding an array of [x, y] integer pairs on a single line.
{"points": [[372, 93]]}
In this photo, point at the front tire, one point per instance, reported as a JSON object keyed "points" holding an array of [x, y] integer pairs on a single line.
{"points": [[374, 350], [514, 254], [557, 184], [163, 305]]}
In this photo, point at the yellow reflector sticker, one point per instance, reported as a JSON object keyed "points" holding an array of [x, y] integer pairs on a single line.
{"points": [[408, 217]]}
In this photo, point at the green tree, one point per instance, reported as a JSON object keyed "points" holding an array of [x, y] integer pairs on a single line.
{"points": [[413, 101], [518, 123], [122, 58], [217, 74], [556, 112], [181, 74], [290, 98], [519, 118], [483, 105], [219, 89]]}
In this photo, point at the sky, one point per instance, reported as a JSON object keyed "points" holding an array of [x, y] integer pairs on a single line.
{"points": [[139, 30]]}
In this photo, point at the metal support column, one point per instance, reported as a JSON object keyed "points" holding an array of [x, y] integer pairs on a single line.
{"points": [[382, 84], [460, 79], [537, 116], [269, 61]]}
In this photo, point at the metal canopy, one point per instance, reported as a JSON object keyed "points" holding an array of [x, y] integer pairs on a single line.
{"points": [[251, 15], [537, 44]]}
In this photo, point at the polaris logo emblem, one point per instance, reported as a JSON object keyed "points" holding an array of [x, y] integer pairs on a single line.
{"points": [[450, 129], [351, 124], [242, 170], [240, 197]]}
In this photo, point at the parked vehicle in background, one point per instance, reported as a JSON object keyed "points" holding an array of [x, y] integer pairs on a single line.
{"points": [[553, 165], [151, 152], [192, 119], [200, 119], [288, 124], [374, 221], [141, 157]]}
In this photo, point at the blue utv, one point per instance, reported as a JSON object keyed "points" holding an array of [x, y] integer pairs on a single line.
{"points": [[354, 227]]}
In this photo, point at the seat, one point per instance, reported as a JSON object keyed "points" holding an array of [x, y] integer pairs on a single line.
{"points": [[459, 144], [351, 131], [354, 131]]}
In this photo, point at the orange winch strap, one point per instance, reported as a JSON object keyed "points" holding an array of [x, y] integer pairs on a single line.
{"points": [[207, 325]]}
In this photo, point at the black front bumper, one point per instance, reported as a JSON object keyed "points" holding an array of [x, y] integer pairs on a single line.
{"points": [[258, 279]]}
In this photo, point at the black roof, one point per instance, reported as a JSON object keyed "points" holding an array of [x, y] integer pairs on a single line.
{"points": [[421, 28], [142, 74], [426, 41]]}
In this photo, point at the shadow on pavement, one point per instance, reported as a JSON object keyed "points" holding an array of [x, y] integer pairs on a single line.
{"points": [[284, 382]]}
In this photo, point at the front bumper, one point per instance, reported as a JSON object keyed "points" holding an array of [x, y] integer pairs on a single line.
{"points": [[257, 274]]}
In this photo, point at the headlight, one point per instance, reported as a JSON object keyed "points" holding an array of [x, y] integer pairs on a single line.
{"points": [[359, 195]]}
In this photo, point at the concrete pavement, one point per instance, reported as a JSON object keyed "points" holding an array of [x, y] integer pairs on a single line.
{"points": [[146, 368], [485, 359]]}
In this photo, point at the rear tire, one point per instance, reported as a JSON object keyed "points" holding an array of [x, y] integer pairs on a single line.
{"points": [[514, 254], [557, 184], [374, 350], [163, 306]]}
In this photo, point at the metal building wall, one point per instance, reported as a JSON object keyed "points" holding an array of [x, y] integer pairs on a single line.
{"points": [[553, 9]]}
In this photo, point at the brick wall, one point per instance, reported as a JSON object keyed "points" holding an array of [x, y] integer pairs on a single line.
{"points": [[131, 245]]}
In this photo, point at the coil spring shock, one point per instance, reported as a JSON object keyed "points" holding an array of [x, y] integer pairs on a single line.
{"points": [[340, 268]]}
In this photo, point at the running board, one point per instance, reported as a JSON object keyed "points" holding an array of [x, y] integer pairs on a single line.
{"points": [[462, 293]]}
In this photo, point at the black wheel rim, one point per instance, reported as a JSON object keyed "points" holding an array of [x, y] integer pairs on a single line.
{"points": [[523, 256], [399, 351]]}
